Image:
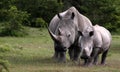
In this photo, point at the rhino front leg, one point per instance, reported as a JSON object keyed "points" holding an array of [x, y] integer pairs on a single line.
{"points": [[94, 56], [62, 57], [56, 55], [104, 57], [96, 60], [71, 53], [85, 62], [76, 53]]}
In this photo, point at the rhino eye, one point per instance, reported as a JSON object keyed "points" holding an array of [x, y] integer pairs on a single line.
{"points": [[68, 35]]}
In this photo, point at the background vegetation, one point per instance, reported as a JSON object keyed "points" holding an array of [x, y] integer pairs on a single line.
{"points": [[30, 49], [15, 14]]}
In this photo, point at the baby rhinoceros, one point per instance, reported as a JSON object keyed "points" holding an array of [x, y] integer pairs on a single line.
{"points": [[94, 41]]}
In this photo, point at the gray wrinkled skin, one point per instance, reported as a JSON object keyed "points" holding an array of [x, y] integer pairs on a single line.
{"points": [[63, 29], [97, 42]]}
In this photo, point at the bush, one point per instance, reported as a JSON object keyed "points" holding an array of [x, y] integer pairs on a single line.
{"points": [[44, 9], [40, 23], [3, 62], [13, 26]]}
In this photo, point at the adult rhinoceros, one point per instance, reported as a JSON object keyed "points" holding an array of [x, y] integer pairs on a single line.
{"points": [[63, 29], [97, 41]]}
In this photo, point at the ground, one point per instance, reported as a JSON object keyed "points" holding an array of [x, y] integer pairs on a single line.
{"points": [[34, 53]]}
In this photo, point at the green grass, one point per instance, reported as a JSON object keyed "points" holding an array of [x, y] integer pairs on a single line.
{"points": [[33, 54]]}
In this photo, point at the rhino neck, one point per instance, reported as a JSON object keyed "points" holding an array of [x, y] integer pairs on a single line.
{"points": [[83, 22]]}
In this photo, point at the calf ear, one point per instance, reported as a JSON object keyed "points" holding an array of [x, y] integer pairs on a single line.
{"points": [[91, 33], [80, 33], [59, 16], [73, 15]]}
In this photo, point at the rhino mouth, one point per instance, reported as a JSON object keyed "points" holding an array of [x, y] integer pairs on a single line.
{"points": [[85, 57], [60, 49]]}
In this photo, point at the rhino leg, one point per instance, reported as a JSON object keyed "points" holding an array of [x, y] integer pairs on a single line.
{"points": [[62, 57], [85, 62], [94, 56], [56, 55], [76, 53], [104, 57], [96, 60], [71, 53]]}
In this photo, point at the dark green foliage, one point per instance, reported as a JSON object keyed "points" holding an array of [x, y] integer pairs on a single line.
{"points": [[44, 9], [15, 14], [40, 23], [13, 25], [102, 12]]}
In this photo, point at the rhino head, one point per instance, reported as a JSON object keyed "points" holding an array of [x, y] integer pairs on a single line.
{"points": [[86, 42], [65, 33]]}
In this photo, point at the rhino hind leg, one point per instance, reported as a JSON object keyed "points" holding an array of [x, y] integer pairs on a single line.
{"points": [[104, 57]]}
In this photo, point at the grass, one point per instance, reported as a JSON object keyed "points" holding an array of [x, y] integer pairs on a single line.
{"points": [[33, 54]]}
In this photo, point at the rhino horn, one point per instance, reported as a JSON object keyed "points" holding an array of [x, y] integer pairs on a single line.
{"points": [[54, 37]]}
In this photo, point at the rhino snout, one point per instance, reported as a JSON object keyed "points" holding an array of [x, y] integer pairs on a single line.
{"points": [[61, 49], [85, 55]]}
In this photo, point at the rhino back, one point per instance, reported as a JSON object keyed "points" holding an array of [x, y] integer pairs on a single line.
{"points": [[102, 37], [81, 21]]}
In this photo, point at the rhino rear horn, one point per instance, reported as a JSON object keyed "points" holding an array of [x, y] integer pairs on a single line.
{"points": [[54, 37]]}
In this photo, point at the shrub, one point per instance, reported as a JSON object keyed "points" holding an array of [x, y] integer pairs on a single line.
{"points": [[40, 22], [13, 26], [3, 62]]}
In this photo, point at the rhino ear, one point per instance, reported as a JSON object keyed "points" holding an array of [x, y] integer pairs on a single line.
{"points": [[73, 15], [80, 33], [91, 33], [59, 16]]}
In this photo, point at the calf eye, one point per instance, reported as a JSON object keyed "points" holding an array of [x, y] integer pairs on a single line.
{"points": [[68, 35]]}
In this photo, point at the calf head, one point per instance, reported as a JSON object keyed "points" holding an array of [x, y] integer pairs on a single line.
{"points": [[86, 42]]}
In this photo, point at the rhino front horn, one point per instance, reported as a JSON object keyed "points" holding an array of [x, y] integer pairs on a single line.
{"points": [[54, 37]]}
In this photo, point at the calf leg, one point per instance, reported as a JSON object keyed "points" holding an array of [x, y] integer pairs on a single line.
{"points": [[94, 55], [104, 57], [96, 60], [85, 62]]}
